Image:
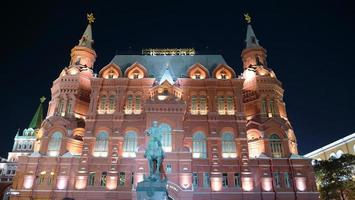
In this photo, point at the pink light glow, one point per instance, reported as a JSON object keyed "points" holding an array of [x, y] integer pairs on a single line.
{"points": [[267, 184], [62, 182], [185, 181], [247, 184], [80, 182], [138, 177], [216, 184], [28, 182], [111, 182], [301, 183]]}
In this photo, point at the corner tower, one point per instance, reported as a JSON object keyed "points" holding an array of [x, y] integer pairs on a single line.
{"points": [[263, 104], [71, 90]]}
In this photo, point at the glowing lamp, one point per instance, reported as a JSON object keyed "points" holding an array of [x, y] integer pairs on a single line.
{"points": [[62, 182], [301, 183], [247, 184], [167, 149], [80, 182], [266, 183], [28, 181], [111, 183], [216, 184]]}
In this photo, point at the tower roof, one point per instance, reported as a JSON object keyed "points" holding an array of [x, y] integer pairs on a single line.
{"points": [[251, 40], [38, 116], [167, 77], [86, 40]]}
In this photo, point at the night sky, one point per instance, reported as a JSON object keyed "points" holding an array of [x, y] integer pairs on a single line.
{"points": [[310, 47]]}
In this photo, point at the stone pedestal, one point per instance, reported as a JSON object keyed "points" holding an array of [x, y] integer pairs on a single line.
{"points": [[152, 190]]}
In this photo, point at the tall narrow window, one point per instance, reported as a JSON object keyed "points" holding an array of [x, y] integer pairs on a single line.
{"points": [[272, 108], [103, 103], [223, 75], [103, 179], [203, 106], [168, 168], [206, 179], [101, 145], [263, 106], [91, 179], [225, 180], [236, 180], [194, 105], [137, 106], [112, 104], [276, 179], [69, 107], [42, 177], [275, 146], [50, 180], [130, 145], [199, 145], [230, 105], [194, 180], [228, 146], [287, 180], [61, 107], [166, 137], [129, 105], [221, 106], [132, 178], [55, 144], [122, 178]]}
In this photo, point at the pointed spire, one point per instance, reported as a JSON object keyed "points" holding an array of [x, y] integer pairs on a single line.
{"points": [[86, 40], [38, 116], [167, 77], [251, 40]]}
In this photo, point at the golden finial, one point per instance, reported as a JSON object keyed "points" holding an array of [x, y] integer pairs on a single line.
{"points": [[247, 18], [90, 17], [42, 99]]}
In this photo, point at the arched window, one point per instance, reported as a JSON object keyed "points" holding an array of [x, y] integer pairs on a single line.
{"points": [[137, 106], [275, 146], [263, 106], [166, 137], [130, 145], [332, 155], [272, 108], [203, 105], [339, 153], [194, 105], [103, 103], [199, 145], [101, 145], [129, 105], [61, 107], [112, 104], [54, 144], [221, 105], [230, 105], [228, 146]]}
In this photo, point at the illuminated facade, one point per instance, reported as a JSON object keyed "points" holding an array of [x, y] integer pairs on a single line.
{"points": [[225, 136]]}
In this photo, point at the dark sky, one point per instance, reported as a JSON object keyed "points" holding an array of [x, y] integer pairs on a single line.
{"points": [[310, 47]]}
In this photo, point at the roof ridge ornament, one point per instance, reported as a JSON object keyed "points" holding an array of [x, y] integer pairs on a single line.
{"points": [[90, 17], [247, 18]]}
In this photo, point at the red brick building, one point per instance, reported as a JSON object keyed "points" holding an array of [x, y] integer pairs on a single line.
{"points": [[226, 136]]}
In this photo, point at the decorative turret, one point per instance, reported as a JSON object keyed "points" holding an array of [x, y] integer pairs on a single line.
{"points": [[253, 55], [38, 116], [83, 55]]}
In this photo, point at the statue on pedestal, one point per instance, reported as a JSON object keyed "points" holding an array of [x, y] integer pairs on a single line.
{"points": [[154, 152], [153, 187]]}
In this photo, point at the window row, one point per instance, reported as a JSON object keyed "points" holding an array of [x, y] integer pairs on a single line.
{"points": [[268, 107], [199, 147], [107, 104], [225, 105]]}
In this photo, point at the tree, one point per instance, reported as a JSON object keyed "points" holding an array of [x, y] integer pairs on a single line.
{"points": [[335, 177]]}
